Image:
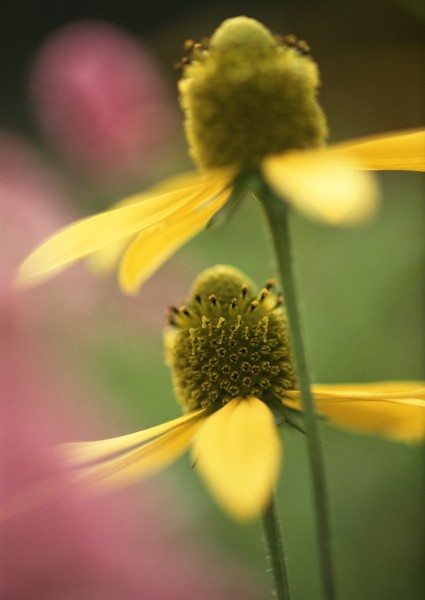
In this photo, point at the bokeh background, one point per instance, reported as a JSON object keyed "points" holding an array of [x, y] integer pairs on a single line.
{"points": [[89, 113]]}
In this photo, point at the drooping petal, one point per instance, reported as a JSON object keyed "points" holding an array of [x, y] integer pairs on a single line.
{"points": [[153, 246], [394, 409], [93, 233], [106, 259], [322, 186], [237, 450], [87, 453], [121, 460], [397, 151]]}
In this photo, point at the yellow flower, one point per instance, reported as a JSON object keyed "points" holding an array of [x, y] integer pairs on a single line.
{"points": [[253, 121], [232, 372]]}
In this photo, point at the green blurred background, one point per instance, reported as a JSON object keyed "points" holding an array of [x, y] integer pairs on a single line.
{"points": [[362, 289]]}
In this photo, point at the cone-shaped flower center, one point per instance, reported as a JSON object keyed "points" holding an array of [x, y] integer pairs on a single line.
{"points": [[246, 94], [229, 342]]}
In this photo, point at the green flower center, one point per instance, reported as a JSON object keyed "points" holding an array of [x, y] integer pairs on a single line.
{"points": [[247, 93], [229, 342]]}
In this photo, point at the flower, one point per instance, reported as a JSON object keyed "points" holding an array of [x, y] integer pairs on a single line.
{"points": [[232, 371], [253, 122]]}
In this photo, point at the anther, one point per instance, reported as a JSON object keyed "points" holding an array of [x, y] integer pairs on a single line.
{"points": [[234, 302], [279, 302], [264, 294], [253, 305], [198, 298], [183, 310], [188, 45], [213, 299], [270, 284], [303, 47], [182, 63], [244, 290], [290, 39], [174, 310]]}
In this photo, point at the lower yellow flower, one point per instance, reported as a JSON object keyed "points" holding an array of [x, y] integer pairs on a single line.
{"points": [[253, 122], [228, 351]]}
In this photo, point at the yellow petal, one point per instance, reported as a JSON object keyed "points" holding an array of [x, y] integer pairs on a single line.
{"points": [[394, 409], [93, 233], [85, 453], [122, 460], [322, 186], [397, 151], [106, 259], [237, 451], [152, 247]]}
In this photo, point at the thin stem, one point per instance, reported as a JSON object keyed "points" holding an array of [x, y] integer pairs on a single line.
{"points": [[273, 539], [277, 214]]}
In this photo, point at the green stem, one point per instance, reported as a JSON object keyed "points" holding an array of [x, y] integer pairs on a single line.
{"points": [[276, 556], [277, 214]]}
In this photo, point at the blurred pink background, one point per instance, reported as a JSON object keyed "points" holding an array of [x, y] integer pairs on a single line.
{"points": [[132, 544], [102, 101]]}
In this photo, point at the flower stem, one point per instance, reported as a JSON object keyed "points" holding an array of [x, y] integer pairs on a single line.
{"points": [[277, 215], [273, 539]]}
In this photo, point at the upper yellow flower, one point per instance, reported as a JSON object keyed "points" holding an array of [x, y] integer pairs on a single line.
{"points": [[232, 373], [252, 121]]}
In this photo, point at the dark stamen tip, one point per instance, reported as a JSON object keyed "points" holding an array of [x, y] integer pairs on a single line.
{"points": [[290, 39], [303, 47], [188, 45]]}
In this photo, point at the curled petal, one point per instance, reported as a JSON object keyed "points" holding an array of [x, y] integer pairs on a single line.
{"points": [[322, 186], [118, 461], [237, 451], [398, 151], [394, 409]]}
